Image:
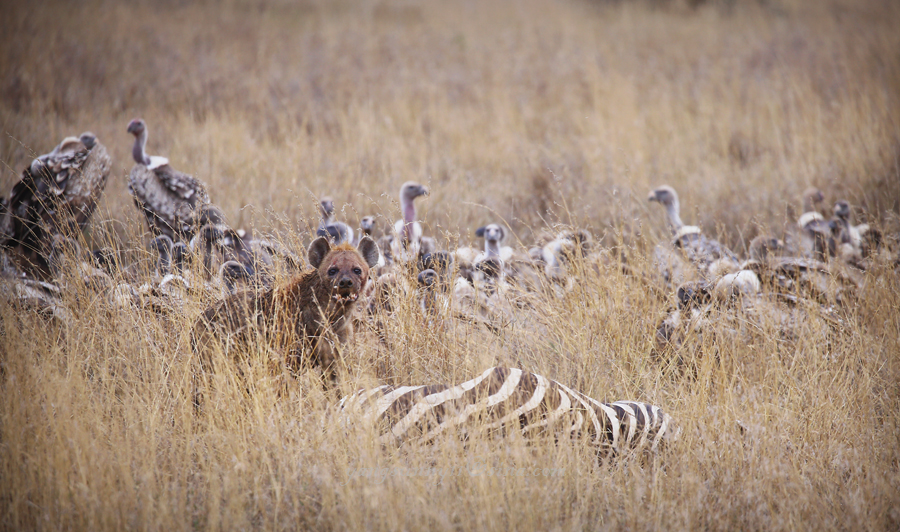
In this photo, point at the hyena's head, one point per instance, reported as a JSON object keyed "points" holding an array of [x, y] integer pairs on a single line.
{"points": [[343, 268]]}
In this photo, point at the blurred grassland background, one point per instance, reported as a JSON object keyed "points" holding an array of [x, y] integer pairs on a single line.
{"points": [[533, 112]]}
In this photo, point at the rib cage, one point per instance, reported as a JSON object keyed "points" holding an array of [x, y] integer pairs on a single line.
{"points": [[502, 399]]}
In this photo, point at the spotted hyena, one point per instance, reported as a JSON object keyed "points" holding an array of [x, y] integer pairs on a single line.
{"points": [[305, 319]]}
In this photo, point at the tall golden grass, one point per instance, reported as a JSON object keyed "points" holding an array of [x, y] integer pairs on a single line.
{"points": [[533, 113]]}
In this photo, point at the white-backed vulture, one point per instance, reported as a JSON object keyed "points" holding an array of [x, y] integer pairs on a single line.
{"points": [[710, 257], [169, 199], [855, 242], [337, 232], [367, 226], [493, 235], [815, 231], [406, 245]]}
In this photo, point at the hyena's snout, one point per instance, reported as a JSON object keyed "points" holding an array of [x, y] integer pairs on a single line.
{"points": [[346, 289]]}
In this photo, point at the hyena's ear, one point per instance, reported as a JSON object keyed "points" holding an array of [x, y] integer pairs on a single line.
{"points": [[317, 251], [480, 231], [369, 250]]}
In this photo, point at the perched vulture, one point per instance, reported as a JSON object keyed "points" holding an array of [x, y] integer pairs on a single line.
{"points": [[433, 301], [367, 226], [337, 232], [707, 255], [815, 231], [407, 245], [57, 194], [493, 235], [169, 199], [235, 274], [557, 251], [854, 242], [162, 245]]}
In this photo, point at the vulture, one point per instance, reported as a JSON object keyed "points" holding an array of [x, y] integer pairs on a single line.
{"points": [[408, 243], [493, 235], [689, 318], [854, 242], [209, 244], [732, 285], [169, 199], [556, 252], [367, 226], [256, 257], [815, 230], [45, 299], [707, 255], [791, 275], [366, 229], [440, 262], [162, 245], [433, 301], [57, 194], [337, 232], [235, 274]]}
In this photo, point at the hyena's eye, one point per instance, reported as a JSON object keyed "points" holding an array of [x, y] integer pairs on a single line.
{"points": [[332, 272], [357, 271]]}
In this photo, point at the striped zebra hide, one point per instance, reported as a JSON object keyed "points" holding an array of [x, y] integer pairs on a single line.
{"points": [[504, 399]]}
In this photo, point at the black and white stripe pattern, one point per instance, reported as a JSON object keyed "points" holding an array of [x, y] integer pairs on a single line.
{"points": [[502, 399]]}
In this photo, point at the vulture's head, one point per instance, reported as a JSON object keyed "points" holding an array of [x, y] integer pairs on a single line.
{"points": [[693, 294], [326, 206], [367, 224], [161, 244], [812, 197], [412, 190], [491, 233], [212, 235], [428, 278], [490, 268], [137, 126], [233, 239], [70, 145], [210, 214], [88, 139], [842, 210], [664, 195], [234, 273]]}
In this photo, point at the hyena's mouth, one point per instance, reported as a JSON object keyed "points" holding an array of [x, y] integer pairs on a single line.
{"points": [[347, 297]]}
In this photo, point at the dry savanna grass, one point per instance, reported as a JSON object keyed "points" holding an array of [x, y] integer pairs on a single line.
{"points": [[533, 114]]}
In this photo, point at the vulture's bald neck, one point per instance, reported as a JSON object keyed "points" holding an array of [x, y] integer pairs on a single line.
{"points": [[138, 151], [674, 218]]}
